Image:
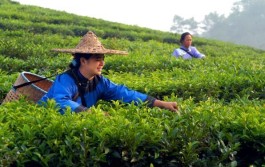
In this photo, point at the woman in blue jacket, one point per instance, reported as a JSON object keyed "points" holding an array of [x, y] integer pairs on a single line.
{"points": [[83, 85]]}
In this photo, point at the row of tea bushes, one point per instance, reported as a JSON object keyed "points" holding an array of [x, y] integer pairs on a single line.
{"points": [[208, 133]]}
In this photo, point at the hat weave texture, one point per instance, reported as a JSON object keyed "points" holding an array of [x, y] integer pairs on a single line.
{"points": [[90, 44]]}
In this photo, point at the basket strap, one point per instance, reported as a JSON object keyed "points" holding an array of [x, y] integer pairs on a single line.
{"points": [[188, 52], [31, 82], [81, 90]]}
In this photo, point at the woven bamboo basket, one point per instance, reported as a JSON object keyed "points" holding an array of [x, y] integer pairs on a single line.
{"points": [[32, 92]]}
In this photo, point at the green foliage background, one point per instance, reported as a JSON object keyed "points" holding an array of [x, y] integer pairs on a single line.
{"points": [[221, 98]]}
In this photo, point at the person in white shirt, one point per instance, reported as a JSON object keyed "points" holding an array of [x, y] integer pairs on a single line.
{"points": [[186, 51]]}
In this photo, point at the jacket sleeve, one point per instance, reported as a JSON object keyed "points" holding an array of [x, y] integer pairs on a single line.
{"points": [[196, 53], [120, 92]]}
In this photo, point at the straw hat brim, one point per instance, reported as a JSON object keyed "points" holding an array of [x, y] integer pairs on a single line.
{"points": [[91, 51], [90, 44]]}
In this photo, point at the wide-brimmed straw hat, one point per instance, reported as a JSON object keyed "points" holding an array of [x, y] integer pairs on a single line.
{"points": [[90, 44]]}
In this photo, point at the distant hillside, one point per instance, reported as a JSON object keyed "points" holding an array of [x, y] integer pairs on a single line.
{"points": [[40, 20]]}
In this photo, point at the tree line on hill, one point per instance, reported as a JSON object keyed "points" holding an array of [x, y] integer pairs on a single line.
{"points": [[245, 25]]}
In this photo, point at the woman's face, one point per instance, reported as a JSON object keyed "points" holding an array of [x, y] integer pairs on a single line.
{"points": [[187, 41], [92, 66]]}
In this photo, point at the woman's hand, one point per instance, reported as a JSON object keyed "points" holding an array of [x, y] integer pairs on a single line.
{"points": [[172, 106]]}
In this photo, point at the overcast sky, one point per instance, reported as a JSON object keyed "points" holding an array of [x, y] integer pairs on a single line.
{"points": [[155, 14]]}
